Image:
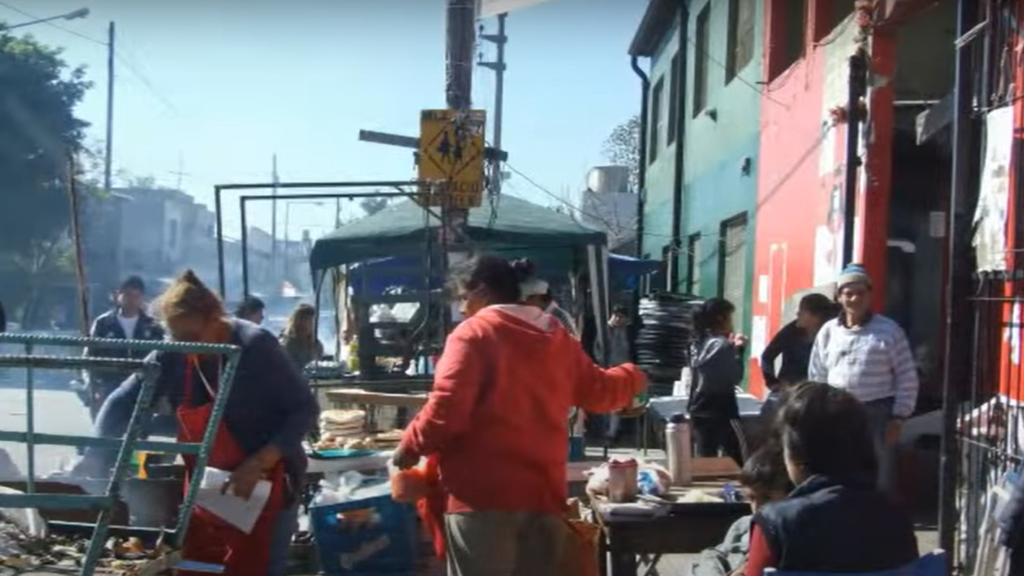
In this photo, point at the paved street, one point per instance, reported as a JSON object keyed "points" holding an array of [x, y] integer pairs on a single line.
{"points": [[56, 412]]}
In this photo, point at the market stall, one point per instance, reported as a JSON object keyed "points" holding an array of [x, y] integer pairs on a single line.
{"points": [[387, 272]]}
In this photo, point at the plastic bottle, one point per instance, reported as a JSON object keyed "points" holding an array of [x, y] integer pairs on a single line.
{"points": [[679, 449], [353, 356]]}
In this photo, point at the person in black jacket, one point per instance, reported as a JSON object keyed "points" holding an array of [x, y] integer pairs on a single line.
{"points": [[3, 318], [793, 343], [126, 321]]}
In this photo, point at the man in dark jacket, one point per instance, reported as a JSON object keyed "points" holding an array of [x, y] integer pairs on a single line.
{"points": [[127, 321]]}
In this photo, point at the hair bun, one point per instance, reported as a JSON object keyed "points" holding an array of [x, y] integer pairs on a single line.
{"points": [[522, 268]]}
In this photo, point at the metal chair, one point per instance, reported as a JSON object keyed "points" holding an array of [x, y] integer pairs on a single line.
{"points": [[932, 564]]}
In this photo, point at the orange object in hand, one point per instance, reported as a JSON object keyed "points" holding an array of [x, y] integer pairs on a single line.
{"points": [[409, 486]]}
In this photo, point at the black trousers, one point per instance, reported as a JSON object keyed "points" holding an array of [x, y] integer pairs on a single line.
{"points": [[717, 436]]}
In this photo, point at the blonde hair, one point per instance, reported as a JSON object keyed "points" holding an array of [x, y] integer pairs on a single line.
{"points": [[301, 312], [188, 296]]}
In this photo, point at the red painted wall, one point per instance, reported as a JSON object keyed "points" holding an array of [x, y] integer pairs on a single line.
{"points": [[1011, 373], [798, 239]]}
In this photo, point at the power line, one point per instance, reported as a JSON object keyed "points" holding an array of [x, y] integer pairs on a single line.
{"points": [[122, 58], [52, 24], [759, 89]]}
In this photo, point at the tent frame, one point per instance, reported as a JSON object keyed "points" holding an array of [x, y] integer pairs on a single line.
{"points": [[219, 189]]}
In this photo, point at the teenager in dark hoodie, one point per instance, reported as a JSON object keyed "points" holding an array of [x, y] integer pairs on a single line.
{"points": [[717, 371]]}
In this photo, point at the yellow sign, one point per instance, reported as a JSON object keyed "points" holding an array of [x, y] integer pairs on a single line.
{"points": [[451, 158]]}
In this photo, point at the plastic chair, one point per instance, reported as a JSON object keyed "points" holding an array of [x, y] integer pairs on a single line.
{"points": [[931, 564]]}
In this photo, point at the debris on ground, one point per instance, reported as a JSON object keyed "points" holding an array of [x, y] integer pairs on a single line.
{"points": [[121, 556]]}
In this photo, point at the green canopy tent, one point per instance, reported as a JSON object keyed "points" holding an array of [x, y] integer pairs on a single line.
{"points": [[509, 226]]}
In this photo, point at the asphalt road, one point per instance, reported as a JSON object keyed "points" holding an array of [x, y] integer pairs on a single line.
{"points": [[56, 412]]}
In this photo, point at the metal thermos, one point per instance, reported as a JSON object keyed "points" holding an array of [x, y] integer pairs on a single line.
{"points": [[679, 449]]}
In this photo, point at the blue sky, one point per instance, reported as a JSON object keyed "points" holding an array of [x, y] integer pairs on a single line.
{"points": [[219, 86]]}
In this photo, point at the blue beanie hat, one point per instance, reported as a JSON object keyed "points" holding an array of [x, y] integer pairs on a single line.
{"points": [[853, 274]]}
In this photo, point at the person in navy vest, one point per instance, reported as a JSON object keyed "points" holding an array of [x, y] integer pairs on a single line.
{"points": [[127, 321], [836, 519]]}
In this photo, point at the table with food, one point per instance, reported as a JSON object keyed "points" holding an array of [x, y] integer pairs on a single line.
{"points": [[644, 511]]}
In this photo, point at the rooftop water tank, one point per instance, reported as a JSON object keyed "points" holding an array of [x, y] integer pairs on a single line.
{"points": [[608, 179]]}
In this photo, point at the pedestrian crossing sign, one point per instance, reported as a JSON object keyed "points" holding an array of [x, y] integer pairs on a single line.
{"points": [[451, 158]]}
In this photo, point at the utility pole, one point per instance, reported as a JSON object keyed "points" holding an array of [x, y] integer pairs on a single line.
{"points": [[273, 218], [461, 39], [499, 67], [109, 152], [461, 36], [76, 237]]}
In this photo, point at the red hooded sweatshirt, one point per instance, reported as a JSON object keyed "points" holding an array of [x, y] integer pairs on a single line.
{"points": [[497, 416]]}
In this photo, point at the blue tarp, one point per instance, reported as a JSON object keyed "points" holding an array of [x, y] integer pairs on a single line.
{"points": [[376, 276]]}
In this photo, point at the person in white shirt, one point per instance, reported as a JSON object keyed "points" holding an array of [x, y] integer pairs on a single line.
{"points": [[127, 321], [868, 355]]}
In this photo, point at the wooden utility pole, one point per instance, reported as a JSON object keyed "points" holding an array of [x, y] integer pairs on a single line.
{"points": [[76, 238], [109, 152], [461, 35]]}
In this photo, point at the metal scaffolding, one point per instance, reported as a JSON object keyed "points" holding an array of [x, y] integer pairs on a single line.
{"points": [[125, 446]]}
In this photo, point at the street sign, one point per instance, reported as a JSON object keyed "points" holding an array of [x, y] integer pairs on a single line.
{"points": [[488, 8], [451, 158]]}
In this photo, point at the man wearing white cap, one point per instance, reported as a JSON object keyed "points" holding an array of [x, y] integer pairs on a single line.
{"points": [[537, 292], [868, 355]]}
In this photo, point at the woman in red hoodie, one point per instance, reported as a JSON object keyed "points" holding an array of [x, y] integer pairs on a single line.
{"points": [[496, 420]]}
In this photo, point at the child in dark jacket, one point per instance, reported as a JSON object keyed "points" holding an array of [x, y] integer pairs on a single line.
{"points": [[836, 520], [764, 480], [717, 371]]}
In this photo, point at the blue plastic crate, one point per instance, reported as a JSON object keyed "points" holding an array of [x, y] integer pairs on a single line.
{"points": [[366, 537]]}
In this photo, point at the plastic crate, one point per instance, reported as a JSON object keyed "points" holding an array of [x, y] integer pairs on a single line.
{"points": [[366, 537]]}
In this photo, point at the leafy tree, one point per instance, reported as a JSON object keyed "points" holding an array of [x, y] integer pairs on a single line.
{"points": [[373, 205], [622, 148], [39, 135]]}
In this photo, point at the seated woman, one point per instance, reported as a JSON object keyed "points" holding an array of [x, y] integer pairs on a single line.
{"points": [[764, 480], [835, 520], [269, 410]]}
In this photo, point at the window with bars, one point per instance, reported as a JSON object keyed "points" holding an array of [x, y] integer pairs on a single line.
{"points": [[673, 100], [732, 264], [788, 35], [693, 259], [741, 37], [657, 119], [701, 58]]}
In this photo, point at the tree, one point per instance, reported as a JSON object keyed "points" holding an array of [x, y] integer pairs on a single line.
{"points": [[39, 136], [622, 148], [373, 205]]}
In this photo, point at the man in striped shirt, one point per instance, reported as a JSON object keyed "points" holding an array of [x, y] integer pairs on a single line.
{"points": [[868, 355]]}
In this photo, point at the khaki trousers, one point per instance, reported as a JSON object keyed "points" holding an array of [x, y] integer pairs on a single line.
{"points": [[504, 543]]}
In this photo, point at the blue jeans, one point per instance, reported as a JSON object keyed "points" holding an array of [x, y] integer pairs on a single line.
{"points": [[285, 526]]}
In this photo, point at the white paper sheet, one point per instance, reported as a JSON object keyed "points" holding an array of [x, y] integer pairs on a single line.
{"points": [[236, 511]]}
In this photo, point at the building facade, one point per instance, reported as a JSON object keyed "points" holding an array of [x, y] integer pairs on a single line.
{"points": [[753, 206], [701, 143]]}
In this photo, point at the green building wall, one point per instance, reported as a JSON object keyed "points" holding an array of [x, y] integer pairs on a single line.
{"points": [[720, 155]]}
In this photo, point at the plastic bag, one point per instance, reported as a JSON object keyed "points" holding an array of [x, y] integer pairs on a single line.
{"points": [[409, 486], [579, 551]]}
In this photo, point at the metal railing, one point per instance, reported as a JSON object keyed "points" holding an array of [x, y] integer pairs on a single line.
{"points": [[148, 368]]}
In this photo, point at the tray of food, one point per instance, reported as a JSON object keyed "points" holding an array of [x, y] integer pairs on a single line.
{"points": [[344, 434]]}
